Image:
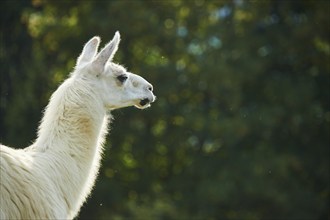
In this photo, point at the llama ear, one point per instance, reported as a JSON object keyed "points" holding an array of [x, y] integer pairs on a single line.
{"points": [[89, 51], [107, 53]]}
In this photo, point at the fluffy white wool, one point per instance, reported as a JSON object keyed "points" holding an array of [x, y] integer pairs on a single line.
{"points": [[52, 178]]}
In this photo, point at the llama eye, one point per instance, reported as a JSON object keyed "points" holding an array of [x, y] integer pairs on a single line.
{"points": [[122, 78]]}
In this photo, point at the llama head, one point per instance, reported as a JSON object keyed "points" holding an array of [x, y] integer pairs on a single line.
{"points": [[118, 87]]}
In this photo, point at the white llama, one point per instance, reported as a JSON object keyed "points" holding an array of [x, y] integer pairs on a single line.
{"points": [[52, 178]]}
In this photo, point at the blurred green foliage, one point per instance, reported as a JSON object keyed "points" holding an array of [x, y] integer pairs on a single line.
{"points": [[240, 129]]}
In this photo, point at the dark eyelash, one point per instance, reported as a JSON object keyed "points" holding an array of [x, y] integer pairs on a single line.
{"points": [[122, 78]]}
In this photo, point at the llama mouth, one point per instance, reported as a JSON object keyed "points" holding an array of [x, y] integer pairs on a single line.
{"points": [[144, 103]]}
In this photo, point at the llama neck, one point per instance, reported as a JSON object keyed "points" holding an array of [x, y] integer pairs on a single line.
{"points": [[72, 132], [74, 122]]}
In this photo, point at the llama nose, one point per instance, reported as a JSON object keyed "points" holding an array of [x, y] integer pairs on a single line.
{"points": [[153, 98], [150, 88]]}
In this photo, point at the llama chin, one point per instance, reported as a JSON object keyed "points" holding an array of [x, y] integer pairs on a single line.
{"points": [[52, 178]]}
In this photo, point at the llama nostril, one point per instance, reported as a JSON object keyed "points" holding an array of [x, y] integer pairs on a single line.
{"points": [[150, 88]]}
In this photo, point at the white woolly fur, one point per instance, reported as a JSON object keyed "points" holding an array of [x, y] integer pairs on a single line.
{"points": [[52, 178]]}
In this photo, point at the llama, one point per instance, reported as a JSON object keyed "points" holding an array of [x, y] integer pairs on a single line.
{"points": [[52, 178]]}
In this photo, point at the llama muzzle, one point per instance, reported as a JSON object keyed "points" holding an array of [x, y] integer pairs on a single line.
{"points": [[145, 101]]}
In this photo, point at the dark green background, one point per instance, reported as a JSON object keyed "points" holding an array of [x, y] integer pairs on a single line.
{"points": [[240, 129]]}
